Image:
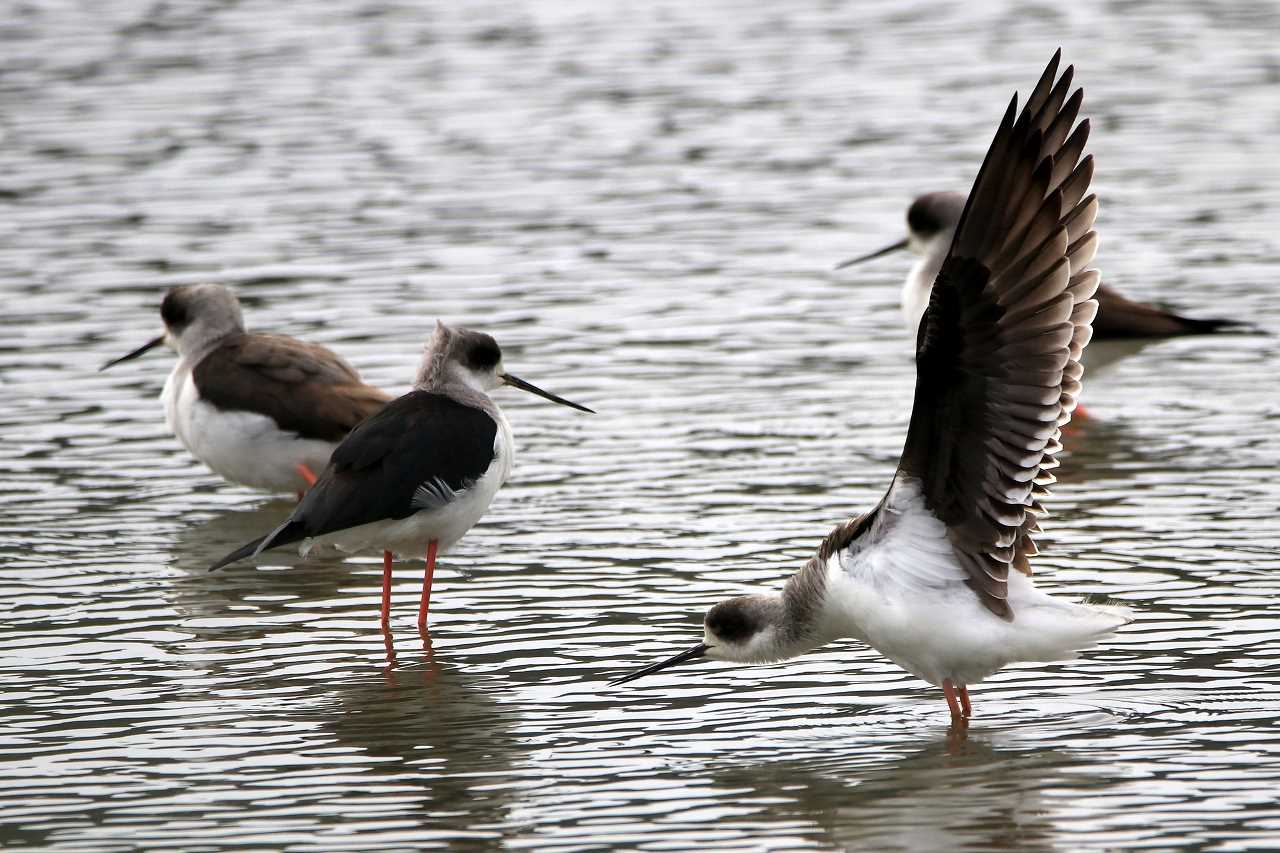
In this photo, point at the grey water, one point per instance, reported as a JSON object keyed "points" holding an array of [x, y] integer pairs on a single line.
{"points": [[643, 203]]}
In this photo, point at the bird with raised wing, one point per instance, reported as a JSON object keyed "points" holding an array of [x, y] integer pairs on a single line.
{"points": [[937, 576], [420, 473], [264, 411]]}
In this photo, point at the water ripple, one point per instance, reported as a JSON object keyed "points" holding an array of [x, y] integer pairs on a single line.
{"points": [[643, 203]]}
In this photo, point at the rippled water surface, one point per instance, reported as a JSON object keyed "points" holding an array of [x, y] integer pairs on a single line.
{"points": [[643, 202]]}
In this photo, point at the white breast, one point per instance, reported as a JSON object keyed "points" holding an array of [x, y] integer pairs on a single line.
{"points": [[916, 291], [904, 593], [243, 447]]}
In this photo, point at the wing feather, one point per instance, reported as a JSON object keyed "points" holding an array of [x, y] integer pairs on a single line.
{"points": [[998, 350], [305, 388]]}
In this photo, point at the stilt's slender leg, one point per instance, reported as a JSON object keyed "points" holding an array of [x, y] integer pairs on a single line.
{"points": [[964, 702], [432, 546], [949, 690], [386, 588], [306, 474]]}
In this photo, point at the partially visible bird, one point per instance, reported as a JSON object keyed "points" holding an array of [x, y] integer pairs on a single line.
{"points": [[264, 411], [937, 576], [417, 475], [931, 227]]}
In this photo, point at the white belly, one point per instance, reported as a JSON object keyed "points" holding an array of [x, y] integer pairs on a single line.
{"points": [[243, 447], [409, 537], [905, 595], [947, 633]]}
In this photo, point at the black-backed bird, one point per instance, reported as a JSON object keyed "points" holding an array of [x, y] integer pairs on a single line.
{"points": [[421, 472]]}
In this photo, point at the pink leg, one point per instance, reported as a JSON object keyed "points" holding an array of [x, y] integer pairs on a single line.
{"points": [[306, 474], [386, 588], [964, 702], [949, 690], [432, 547]]}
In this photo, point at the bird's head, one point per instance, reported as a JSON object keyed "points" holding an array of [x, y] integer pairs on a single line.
{"points": [[194, 316], [931, 223], [747, 629], [474, 359]]}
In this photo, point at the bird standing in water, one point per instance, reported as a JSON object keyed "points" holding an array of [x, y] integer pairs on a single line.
{"points": [[937, 576], [264, 411], [931, 228], [420, 473]]}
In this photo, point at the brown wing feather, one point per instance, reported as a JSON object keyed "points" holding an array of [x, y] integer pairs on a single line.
{"points": [[305, 388], [998, 349]]}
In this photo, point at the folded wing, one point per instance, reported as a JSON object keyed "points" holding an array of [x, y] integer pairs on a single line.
{"points": [[305, 388], [420, 452]]}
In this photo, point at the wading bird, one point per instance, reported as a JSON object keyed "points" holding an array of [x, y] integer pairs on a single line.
{"points": [[931, 228], [937, 577], [420, 473], [264, 411]]}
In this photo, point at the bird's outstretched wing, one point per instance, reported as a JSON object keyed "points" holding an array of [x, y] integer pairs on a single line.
{"points": [[998, 349], [304, 387], [420, 452]]}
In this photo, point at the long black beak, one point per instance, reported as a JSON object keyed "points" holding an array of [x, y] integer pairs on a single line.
{"points": [[517, 382], [689, 654], [152, 344], [898, 246]]}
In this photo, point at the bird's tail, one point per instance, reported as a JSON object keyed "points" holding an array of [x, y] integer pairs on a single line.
{"points": [[1194, 326], [289, 532]]}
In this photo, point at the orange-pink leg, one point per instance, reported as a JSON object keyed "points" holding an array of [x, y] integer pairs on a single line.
{"points": [[307, 474], [386, 588], [949, 690], [432, 547], [964, 702]]}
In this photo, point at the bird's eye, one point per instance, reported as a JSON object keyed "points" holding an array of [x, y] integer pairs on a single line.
{"points": [[921, 220], [729, 623], [484, 356], [173, 311]]}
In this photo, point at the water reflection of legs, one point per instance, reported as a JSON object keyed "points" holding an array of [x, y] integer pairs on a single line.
{"points": [[428, 657], [957, 736], [386, 590], [390, 645]]}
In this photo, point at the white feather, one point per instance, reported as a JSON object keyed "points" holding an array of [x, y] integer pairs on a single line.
{"points": [[904, 593], [242, 447]]}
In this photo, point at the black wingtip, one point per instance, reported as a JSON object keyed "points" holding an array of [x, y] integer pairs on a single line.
{"points": [[240, 553], [290, 531], [1194, 326]]}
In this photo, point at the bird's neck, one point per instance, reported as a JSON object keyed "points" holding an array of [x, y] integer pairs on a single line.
{"points": [[197, 342], [805, 623]]}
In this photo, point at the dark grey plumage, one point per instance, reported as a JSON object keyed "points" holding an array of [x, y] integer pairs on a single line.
{"points": [[998, 350]]}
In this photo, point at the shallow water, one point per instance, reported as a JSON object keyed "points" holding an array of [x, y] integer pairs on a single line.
{"points": [[643, 203]]}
